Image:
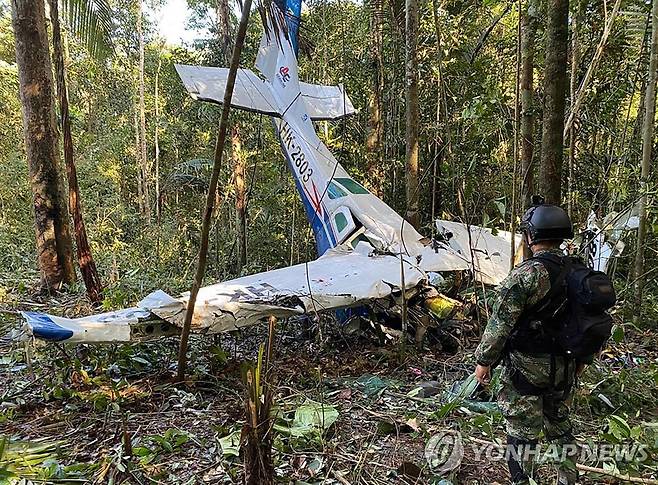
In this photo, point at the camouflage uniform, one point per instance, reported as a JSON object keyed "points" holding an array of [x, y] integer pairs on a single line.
{"points": [[527, 416]]}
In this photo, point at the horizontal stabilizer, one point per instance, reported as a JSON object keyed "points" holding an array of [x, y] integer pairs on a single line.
{"points": [[209, 84], [325, 103], [251, 93]]}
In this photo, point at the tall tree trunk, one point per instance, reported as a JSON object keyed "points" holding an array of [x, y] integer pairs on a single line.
{"points": [[138, 160], [239, 170], [573, 86], [528, 35], [53, 237], [156, 138], [238, 156], [85, 257], [212, 189], [555, 85], [442, 145], [375, 120], [144, 165], [412, 110], [224, 30], [647, 145]]}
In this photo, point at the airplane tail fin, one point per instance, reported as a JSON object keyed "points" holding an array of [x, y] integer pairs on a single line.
{"points": [[292, 10], [277, 60]]}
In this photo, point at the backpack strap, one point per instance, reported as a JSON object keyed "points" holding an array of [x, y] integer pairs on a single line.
{"points": [[556, 281]]}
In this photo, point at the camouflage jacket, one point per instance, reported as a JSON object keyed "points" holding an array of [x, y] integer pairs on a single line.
{"points": [[524, 286]]}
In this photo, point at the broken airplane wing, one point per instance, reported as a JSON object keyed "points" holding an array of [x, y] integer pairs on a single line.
{"points": [[339, 279]]}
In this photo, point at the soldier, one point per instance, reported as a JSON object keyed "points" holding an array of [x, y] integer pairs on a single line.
{"points": [[537, 386]]}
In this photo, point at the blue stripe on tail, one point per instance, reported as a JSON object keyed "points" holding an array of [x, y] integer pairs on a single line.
{"points": [[293, 16], [293, 11]]}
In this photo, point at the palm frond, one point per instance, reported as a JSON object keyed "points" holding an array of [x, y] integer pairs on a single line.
{"points": [[91, 22], [637, 24], [273, 17]]}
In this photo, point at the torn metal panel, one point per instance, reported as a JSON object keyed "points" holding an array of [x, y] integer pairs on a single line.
{"points": [[488, 254], [342, 278], [601, 241]]}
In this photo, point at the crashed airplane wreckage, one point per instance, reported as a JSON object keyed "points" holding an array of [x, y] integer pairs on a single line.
{"points": [[368, 254]]}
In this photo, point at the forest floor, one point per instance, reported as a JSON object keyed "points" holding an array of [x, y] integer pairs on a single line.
{"points": [[79, 414]]}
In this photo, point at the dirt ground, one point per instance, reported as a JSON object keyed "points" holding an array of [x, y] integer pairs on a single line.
{"points": [[113, 415]]}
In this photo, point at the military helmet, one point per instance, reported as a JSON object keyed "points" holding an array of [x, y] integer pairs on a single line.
{"points": [[546, 222]]}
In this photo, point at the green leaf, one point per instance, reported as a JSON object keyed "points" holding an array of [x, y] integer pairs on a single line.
{"points": [[316, 415], [231, 444], [618, 333], [500, 206], [91, 22], [141, 451], [141, 360], [619, 428], [372, 385], [311, 419]]}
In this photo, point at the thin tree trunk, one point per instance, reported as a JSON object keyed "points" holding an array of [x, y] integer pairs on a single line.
{"points": [[238, 157], [517, 126], [555, 85], [212, 189], [156, 139], [224, 30], [580, 95], [53, 237], [146, 205], [573, 115], [257, 436], [239, 169], [528, 34], [486, 33], [85, 257], [138, 160], [442, 148], [375, 120], [412, 112], [647, 145]]}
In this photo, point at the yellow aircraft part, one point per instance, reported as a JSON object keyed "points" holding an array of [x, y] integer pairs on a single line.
{"points": [[441, 306]]}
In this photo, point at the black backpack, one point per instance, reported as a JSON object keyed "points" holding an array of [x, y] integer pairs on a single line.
{"points": [[572, 319]]}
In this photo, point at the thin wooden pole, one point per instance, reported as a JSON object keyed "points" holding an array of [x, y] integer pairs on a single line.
{"points": [[515, 151], [600, 48], [212, 189], [647, 145]]}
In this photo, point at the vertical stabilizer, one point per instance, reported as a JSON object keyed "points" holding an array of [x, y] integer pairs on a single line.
{"points": [[277, 60], [293, 11]]}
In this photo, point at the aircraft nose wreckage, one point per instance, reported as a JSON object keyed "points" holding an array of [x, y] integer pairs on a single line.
{"points": [[366, 250]]}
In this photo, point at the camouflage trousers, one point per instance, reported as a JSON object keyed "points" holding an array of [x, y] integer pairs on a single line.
{"points": [[529, 417]]}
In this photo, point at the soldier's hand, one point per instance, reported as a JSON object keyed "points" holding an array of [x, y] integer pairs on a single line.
{"points": [[483, 374]]}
